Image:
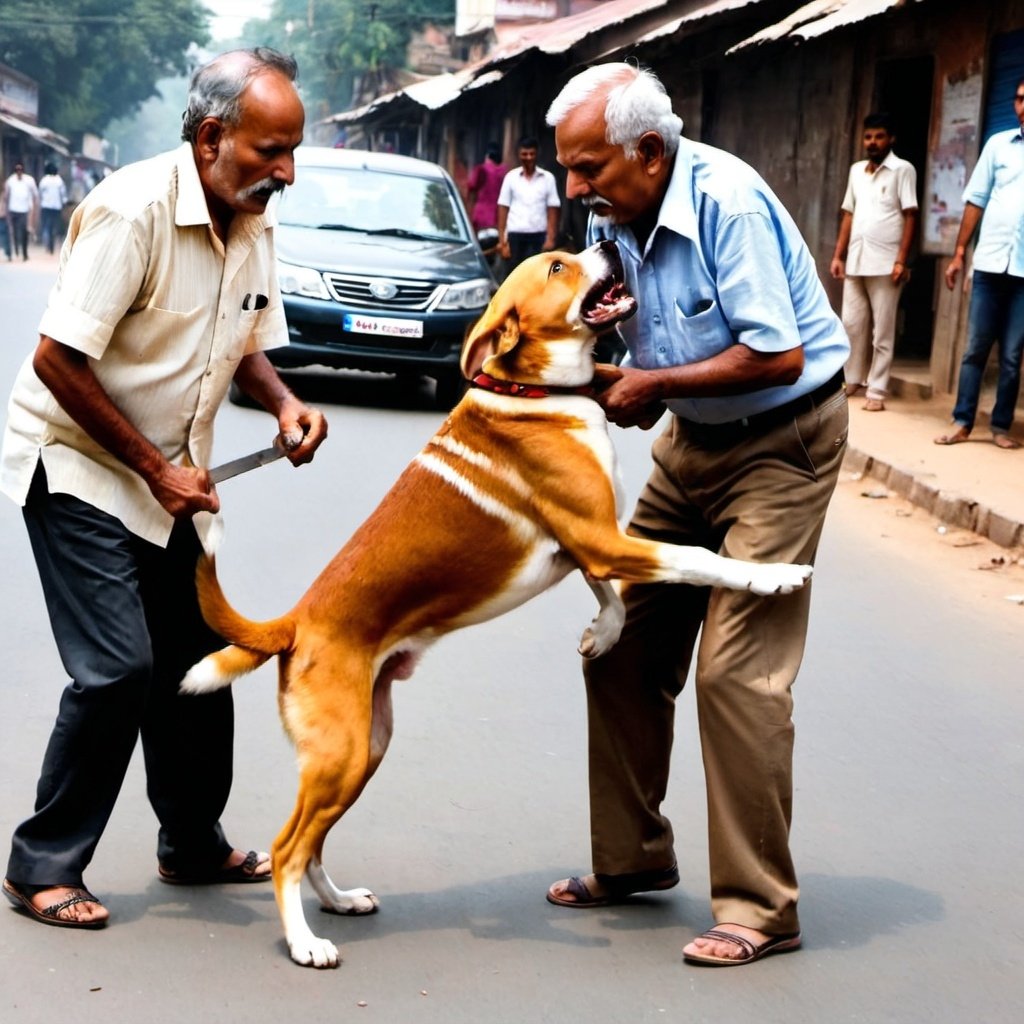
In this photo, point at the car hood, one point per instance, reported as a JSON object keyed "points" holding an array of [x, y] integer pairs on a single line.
{"points": [[350, 252]]}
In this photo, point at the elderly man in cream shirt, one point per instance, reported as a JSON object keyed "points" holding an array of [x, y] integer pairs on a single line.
{"points": [[166, 293]]}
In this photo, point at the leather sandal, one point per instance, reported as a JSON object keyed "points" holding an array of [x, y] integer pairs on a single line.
{"points": [[749, 951], [614, 888], [21, 897], [240, 874]]}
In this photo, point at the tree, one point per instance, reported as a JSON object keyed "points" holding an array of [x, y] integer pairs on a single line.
{"points": [[95, 60], [338, 42]]}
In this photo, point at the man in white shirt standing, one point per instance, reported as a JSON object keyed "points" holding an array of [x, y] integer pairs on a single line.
{"points": [[166, 293], [876, 232], [53, 194], [22, 197], [528, 207]]}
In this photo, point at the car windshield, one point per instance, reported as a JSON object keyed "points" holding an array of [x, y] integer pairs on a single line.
{"points": [[358, 199]]}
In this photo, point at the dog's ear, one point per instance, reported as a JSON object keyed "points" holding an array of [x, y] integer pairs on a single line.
{"points": [[495, 333]]}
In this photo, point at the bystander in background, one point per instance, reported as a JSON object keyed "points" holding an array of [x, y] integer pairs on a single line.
{"points": [[53, 194], [877, 229], [995, 189]]}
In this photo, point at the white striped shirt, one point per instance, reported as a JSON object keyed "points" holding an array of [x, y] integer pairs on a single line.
{"points": [[149, 293]]}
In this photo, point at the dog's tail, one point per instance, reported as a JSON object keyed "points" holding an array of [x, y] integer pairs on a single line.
{"points": [[253, 643]]}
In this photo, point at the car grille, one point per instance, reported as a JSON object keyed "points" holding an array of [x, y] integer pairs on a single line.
{"points": [[355, 291]]}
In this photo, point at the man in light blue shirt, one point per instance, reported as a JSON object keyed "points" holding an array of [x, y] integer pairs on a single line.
{"points": [[736, 337], [995, 189]]}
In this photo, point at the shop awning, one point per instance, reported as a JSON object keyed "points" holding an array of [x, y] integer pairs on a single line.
{"points": [[43, 135], [552, 37], [820, 17]]}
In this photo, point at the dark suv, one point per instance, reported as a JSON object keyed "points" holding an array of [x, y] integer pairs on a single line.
{"points": [[378, 267]]}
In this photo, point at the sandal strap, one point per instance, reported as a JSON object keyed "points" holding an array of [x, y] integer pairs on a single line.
{"points": [[748, 948], [249, 865], [77, 896]]}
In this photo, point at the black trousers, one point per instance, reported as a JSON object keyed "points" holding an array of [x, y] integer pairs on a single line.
{"points": [[127, 624], [523, 244]]}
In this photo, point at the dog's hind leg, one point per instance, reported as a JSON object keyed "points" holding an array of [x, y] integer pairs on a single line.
{"points": [[352, 902], [327, 788]]}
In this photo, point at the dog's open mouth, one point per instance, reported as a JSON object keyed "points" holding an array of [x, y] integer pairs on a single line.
{"points": [[607, 303]]}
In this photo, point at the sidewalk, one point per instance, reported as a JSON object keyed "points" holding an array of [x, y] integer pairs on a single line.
{"points": [[974, 486]]}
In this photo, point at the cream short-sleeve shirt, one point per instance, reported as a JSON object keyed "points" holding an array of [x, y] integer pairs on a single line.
{"points": [[165, 313]]}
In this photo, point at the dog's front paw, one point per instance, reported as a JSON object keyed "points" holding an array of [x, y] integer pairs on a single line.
{"points": [[596, 642], [314, 952], [778, 578], [350, 902]]}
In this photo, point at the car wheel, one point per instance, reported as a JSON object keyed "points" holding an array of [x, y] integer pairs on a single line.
{"points": [[449, 390]]}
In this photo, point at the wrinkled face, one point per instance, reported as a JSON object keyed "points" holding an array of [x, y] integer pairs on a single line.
{"points": [[600, 173], [877, 144], [254, 159]]}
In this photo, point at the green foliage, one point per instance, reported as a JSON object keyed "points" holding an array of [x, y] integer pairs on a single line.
{"points": [[96, 60], [336, 41]]}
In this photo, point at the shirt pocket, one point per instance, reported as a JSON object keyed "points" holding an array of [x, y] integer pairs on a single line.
{"points": [[703, 332], [245, 326]]}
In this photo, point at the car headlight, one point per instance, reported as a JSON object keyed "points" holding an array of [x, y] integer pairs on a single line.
{"points": [[473, 294], [293, 280]]}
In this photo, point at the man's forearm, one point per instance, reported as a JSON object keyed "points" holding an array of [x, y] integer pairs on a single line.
{"points": [[67, 374]]}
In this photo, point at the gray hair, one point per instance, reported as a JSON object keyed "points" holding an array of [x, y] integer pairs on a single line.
{"points": [[216, 88], [637, 105]]}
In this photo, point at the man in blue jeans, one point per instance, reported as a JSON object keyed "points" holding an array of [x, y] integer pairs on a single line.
{"points": [[996, 189]]}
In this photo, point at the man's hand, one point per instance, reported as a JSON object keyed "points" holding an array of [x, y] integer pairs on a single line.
{"points": [[183, 490], [302, 430], [956, 264], [629, 397], [837, 268]]}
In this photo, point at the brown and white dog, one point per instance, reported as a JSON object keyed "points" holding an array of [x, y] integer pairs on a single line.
{"points": [[517, 488]]}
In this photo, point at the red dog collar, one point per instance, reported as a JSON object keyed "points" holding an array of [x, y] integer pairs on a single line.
{"points": [[510, 387]]}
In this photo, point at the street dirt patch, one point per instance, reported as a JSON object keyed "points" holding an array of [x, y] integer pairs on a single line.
{"points": [[973, 570]]}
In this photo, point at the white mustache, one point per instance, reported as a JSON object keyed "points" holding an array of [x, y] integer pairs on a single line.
{"points": [[270, 185], [594, 200]]}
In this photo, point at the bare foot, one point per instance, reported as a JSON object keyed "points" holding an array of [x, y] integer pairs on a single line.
{"points": [[957, 437], [874, 405], [1005, 441]]}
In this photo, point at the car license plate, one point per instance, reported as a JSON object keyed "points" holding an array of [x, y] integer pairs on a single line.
{"points": [[356, 324]]}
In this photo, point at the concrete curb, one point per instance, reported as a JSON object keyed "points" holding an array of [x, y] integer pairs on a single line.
{"points": [[952, 509]]}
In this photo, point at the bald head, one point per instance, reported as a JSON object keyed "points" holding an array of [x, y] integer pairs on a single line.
{"points": [[217, 87]]}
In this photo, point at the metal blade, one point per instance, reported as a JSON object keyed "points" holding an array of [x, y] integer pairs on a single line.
{"points": [[227, 470]]}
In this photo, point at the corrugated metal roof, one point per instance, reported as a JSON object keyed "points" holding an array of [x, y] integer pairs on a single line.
{"points": [[552, 37], [820, 17]]}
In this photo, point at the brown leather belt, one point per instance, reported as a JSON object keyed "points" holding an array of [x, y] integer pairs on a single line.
{"points": [[760, 422]]}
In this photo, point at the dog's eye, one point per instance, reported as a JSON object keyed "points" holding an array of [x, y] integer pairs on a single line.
{"points": [[556, 268]]}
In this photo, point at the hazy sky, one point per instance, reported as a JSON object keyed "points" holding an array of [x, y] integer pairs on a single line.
{"points": [[231, 15]]}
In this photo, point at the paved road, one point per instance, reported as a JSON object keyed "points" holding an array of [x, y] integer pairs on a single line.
{"points": [[908, 833]]}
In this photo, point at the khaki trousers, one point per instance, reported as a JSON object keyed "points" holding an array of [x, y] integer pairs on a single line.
{"points": [[757, 496], [869, 316]]}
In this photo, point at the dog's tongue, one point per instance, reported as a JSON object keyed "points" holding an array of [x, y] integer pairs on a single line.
{"points": [[615, 304]]}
